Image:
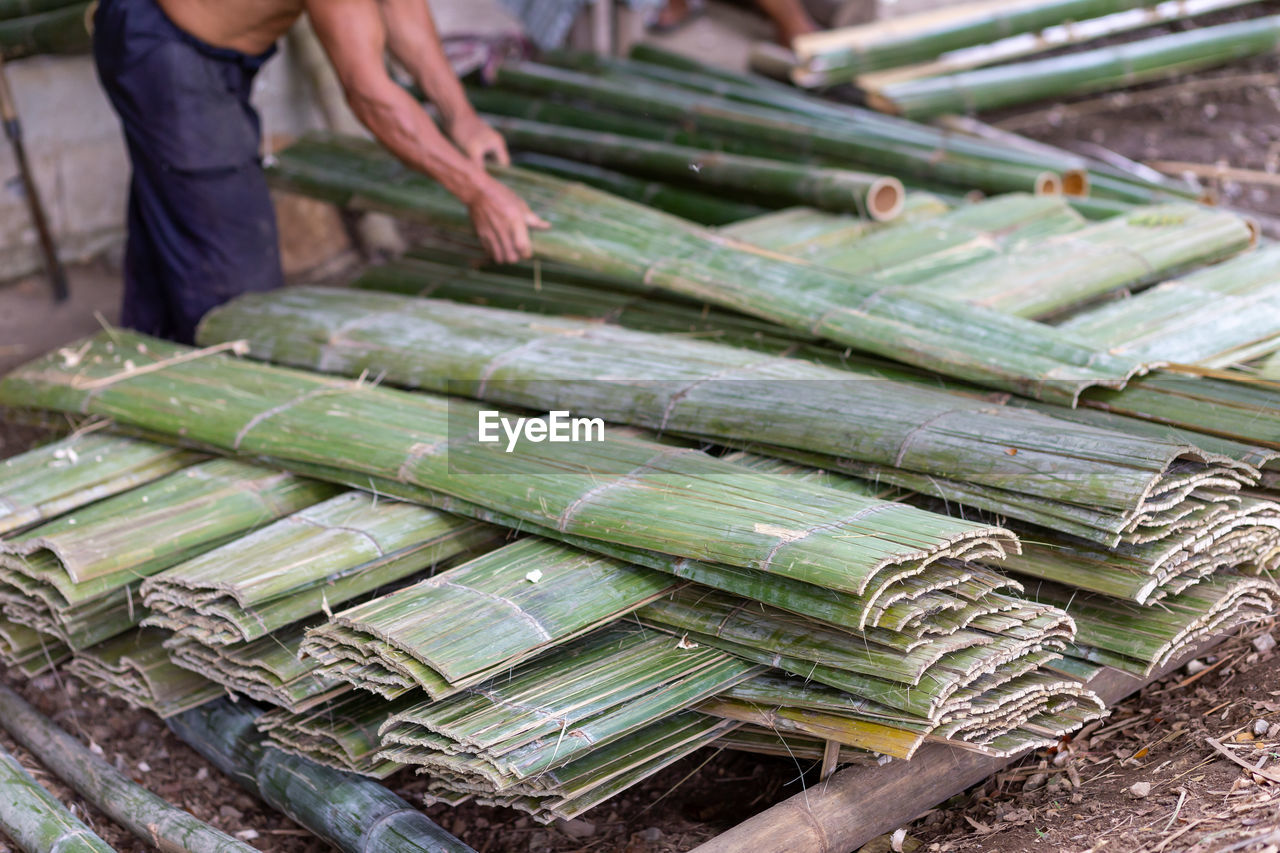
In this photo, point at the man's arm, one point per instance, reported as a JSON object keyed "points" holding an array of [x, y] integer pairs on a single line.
{"points": [[413, 40], [355, 37]]}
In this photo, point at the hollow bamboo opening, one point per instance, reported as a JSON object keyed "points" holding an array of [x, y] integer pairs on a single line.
{"points": [[1075, 182], [1048, 183], [885, 199]]}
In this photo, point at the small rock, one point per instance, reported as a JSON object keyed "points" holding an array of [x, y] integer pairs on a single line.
{"points": [[1035, 781], [1264, 643], [652, 835], [202, 774], [144, 767], [1196, 666], [577, 828], [247, 834], [1139, 790], [1260, 728], [230, 812]]}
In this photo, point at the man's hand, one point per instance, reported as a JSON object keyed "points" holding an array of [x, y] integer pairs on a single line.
{"points": [[477, 140], [502, 221]]}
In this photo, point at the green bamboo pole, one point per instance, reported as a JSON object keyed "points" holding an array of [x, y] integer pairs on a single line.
{"points": [[1078, 73], [35, 820], [63, 30], [352, 814], [773, 126], [922, 37], [875, 196], [149, 817], [693, 205]]}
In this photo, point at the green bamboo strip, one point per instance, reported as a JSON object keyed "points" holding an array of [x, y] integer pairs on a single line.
{"points": [[696, 206], [521, 599], [1125, 252], [321, 556], [578, 489], [269, 669], [566, 792], [1140, 639], [1247, 411], [190, 510], [1214, 317], [697, 388], [1078, 73], [46, 482], [341, 733], [64, 30], [873, 196], [1031, 358], [136, 668], [35, 820], [957, 240], [555, 710], [213, 502], [351, 813], [146, 815], [760, 92], [29, 651]]}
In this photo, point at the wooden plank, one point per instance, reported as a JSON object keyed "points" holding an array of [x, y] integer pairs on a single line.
{"points": [[861, 803]]}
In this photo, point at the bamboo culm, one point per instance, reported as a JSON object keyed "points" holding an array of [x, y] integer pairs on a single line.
{"points": [[353, 814], [35, 820], [146, 815]]}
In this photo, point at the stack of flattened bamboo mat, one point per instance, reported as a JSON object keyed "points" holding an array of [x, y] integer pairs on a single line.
{"points": [[850, 581]]}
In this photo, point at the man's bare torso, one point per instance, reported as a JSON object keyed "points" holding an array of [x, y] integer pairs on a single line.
{"points": [[249, 26]]}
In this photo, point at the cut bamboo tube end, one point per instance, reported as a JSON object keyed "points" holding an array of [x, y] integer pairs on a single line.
{"points": [[1255, 231], [1075, 183], [880, 103], [1048, 183], [886, 199]]}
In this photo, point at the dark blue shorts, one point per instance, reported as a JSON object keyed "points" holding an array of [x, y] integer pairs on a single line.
{"points": [[202, 229]]}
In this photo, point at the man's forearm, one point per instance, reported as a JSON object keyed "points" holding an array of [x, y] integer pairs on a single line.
{"points": [[400, 124], [414, 41]]}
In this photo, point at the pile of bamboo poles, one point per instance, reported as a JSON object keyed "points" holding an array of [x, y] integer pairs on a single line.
{"points": [[981, 55], [667, 99]]}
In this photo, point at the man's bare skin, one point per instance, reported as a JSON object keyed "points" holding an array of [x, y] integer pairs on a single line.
{"points": [[356, 33]]}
